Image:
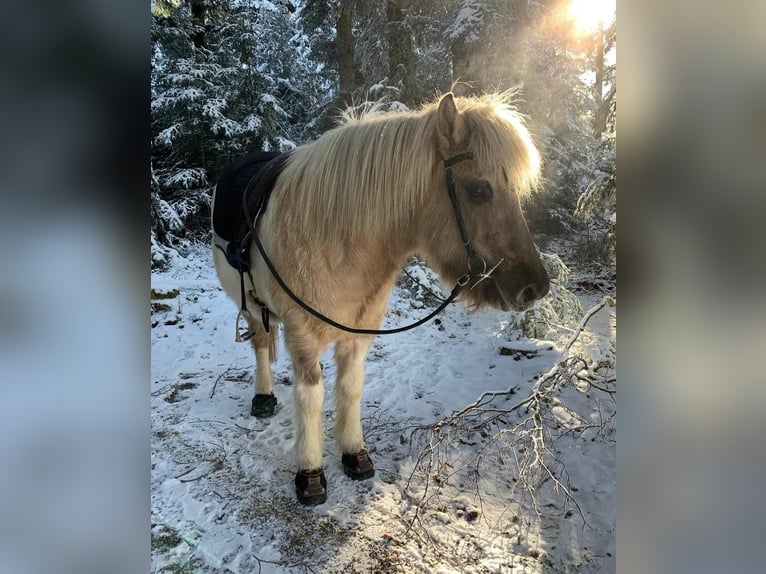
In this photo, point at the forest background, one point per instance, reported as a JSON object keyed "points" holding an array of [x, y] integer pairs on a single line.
{"points": [[230, 77]]}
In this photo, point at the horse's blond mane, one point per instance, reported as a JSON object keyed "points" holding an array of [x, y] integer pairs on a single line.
{"points": [[373, 172]]}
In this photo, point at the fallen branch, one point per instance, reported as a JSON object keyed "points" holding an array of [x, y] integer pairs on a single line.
{"points": [[458, 450]]}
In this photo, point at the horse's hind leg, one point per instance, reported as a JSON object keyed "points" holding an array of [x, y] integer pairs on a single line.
{"points": [[349, 357], [264, 344]]}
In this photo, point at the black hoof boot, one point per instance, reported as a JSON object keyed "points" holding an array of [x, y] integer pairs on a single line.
{"points": [[263, 406], [358, 465], [311, 487]]}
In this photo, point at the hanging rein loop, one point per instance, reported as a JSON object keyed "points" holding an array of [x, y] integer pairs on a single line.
{"points": [[479, 272]]}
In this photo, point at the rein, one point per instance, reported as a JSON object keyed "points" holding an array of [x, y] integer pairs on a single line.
{"points": [[461, 282]]}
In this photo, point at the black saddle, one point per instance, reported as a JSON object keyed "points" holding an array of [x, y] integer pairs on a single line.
{"points": [[255, 174]]}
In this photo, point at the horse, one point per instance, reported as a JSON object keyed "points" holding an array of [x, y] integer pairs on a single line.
{"points": [[346, 212]]}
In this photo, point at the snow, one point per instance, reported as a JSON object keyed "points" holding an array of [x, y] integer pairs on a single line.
{"points": [[222, 481], [187, 178], [252, 123], [165, 137], [286, 144], [214, 107], [466, 23]]}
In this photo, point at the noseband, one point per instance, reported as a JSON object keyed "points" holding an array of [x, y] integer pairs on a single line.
{"points": [[464, 279]]}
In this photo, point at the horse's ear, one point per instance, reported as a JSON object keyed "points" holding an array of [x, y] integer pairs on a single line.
{"points": [[449, 122]]}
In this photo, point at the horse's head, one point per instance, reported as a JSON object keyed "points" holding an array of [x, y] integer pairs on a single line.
{"points": [[500, 167]]}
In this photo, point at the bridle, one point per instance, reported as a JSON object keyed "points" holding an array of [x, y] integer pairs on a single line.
{"points": [[464, 279], [472, 255]]}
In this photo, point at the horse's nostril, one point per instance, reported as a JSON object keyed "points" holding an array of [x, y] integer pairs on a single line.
{"points": [[529, 294]]}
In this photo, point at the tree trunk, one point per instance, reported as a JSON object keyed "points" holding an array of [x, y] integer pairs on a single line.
{"points": [[469, 84], [599, 117], [199, 16], [344, 46], [401, 60]]}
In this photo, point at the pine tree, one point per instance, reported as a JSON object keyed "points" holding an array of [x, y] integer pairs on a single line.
{"points": [[228, 78]]}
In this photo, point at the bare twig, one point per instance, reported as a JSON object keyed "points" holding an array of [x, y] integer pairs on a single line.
{"points": [[587, 317], [221, 376]]}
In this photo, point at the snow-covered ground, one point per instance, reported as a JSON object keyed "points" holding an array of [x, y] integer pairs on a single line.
{"points": [[468, 495]]}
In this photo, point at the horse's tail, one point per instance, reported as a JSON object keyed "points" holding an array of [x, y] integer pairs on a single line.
{"points": [[273, 342]]}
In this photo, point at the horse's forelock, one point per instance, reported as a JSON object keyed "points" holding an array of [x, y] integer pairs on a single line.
{"points": [[500, 140]]}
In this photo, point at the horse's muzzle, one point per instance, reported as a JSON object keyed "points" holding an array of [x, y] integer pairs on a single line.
{"points": [[524, 286], [532, 293]]}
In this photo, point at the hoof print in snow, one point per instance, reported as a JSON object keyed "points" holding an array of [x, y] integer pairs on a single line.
{"points": [[263, 406], [358, 466], [311, 487]]}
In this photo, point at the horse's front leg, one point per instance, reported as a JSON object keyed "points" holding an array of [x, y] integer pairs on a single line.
{"points": [[350, 355], [310, 483], [265, 347]]}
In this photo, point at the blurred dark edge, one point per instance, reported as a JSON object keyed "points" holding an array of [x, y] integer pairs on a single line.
{"points": [[74, 172], [692, 210], [74, 247]]}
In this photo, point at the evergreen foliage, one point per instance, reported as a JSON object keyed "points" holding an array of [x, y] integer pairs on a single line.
{"points": [[236, 84], [234, 76]]}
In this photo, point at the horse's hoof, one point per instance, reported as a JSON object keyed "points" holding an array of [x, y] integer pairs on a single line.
{"points": [[358, 465], [311, 487], [263, 406]]}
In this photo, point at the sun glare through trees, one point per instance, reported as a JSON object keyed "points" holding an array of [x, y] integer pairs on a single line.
{"points": [[588, 15]]}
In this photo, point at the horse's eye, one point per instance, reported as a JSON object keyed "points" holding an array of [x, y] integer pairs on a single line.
{"points": [[479, 190]]}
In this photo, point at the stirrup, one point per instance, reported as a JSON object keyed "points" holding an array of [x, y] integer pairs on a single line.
{"points": [[243, 333]]}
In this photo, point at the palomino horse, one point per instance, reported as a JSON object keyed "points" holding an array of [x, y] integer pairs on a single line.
{"points": [[347, 211]]}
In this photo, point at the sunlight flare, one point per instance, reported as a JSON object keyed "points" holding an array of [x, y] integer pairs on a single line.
{"points": [[588, 15]]}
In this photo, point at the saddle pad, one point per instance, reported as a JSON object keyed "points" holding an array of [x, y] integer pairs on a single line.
{"points": [[228, 215]]}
